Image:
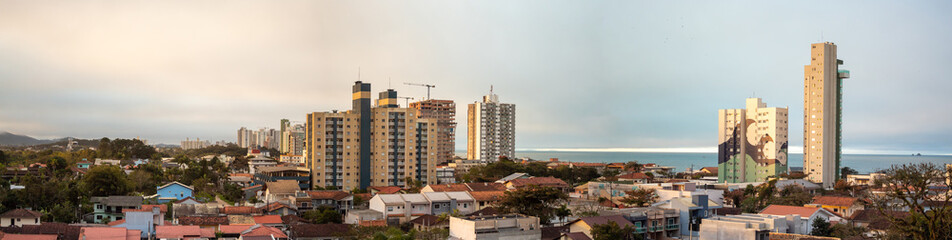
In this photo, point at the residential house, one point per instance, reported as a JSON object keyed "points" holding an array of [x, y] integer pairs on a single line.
{"points": [[113, 162], [109, 233], [506, 226], [280, 190], [450, 202], [538, 181], [84, 164], [320, 231], [270, 221], [692, 210], [864, 179], [184, 232], [19, 217], [874, 221], [108, 209], [486, 199], [464, 187], [400, 208], [144, 219], [842, 206], [232, 231], [241, 179], [239, 210], [584, 225], [655, 169], [357, 217], [172, 192], [260, 161], [188, 201], [278, 208], [65, 231], [513, 176], [211, 222], [635, 177], [810, 213], [338, 200], [741, 225], [374, 190], [429, 222], [259, 231], [616, 166]]}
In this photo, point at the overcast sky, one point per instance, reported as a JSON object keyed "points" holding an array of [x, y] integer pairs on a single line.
{"points": [[583, 74]]}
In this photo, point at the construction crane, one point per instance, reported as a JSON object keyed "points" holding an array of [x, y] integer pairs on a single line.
{"points": [[407, 100], [428, 86]]}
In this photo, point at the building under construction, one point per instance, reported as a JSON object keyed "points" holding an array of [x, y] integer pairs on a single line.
{"points": [[444, 111]]}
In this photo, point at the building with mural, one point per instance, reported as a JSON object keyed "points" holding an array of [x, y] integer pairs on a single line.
{"points": [[752, 142]]}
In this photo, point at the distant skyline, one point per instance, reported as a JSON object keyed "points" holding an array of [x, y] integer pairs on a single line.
{"points": [[610, 75]]}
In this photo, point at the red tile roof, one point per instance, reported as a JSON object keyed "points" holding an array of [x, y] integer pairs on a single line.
{"points": [[787, 210], [636, 175], [835, 201], [265, 231], [233, 229], [148, 208], [182, 232], [482, 187], [10, 236], [275, 206], [109, 233], [268, 219], [239, 210], [117, 222], [386, 189], [373, 223], [335, 195], [540, 181], [21, 213], [456, 187], [203, 220]]}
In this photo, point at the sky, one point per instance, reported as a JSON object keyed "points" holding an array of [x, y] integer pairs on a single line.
{"points": [[583, 74]]}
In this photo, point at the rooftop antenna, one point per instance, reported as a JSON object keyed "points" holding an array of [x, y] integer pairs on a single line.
{"points": [[490, 89]]}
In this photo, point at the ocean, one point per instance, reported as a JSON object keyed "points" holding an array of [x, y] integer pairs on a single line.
{"points": [[861, 162]]}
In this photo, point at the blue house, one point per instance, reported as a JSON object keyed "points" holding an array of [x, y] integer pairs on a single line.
{"points": [[172, 191]]}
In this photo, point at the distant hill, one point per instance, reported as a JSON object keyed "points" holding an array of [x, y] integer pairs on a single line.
{"points": [[10, 139]]}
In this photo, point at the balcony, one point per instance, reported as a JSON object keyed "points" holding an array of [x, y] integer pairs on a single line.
{"points": [[672, 226], [657, 228], [640, 230]]}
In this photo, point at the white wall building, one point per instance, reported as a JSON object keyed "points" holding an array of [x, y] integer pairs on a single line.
{"points": [[491, 129]]}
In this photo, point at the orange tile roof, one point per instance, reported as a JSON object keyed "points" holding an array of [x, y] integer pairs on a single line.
{"points": [[117, 222], [373, 223], [787, 210], [482, 187], [148, 208], [835, 201], [108, 233], [268, 219], [275, 206]]}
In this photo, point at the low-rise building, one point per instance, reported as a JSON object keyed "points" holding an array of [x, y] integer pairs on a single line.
{"points": [[692, 210], [486, 199], [275, 173], [652, 222], [507, 226], [358, 217], [839, 205], [445, 174], [183, 232], [584, 225], [864, 179], [108, 209], [809, 213], [719, 227], [109, 233], [19, 217], [551, 182], [338, 200], [635, 177], [171, 192], [400, 208], [281, 190]]}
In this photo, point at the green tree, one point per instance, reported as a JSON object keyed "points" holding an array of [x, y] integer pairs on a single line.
{"points": [[634, 166], [821, 228], [907, 188], [534, 201], [845, 231], [846, 171], [106, 180], [563, 212], [641, 197], [792, 195], [611, 231], [322, 215]]}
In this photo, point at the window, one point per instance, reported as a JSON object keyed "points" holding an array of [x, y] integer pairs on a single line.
{"points": [[389, 209]]}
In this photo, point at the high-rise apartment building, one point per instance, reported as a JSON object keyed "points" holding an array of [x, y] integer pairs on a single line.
{"points": [[822, 114], [195, 144], [371, 146], [491, 129], [245, 137], [444, 111], [292, 138], [262, 138], [285, 137], [752, 143]]}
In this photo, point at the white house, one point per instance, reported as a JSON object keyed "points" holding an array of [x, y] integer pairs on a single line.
{"points": [[19, 217], [810, 213]]}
